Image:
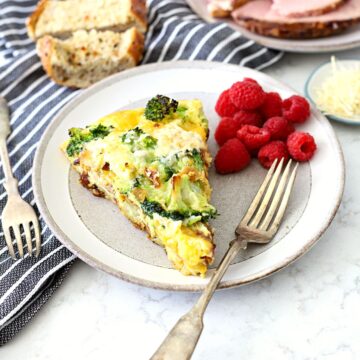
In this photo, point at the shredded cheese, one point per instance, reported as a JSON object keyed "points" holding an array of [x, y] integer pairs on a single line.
{"points": [[339, 94]]}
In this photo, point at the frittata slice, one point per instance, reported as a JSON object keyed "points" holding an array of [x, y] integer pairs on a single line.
{"points": [[154, 166]]}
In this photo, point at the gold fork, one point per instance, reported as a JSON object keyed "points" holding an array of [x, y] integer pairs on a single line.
{"points": [[259, 225], [17, 213]]}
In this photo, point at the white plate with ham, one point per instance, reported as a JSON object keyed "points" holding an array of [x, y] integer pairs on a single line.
{"points": [[291, 25]]}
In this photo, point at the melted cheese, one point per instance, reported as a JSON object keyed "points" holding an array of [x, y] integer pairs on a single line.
{"points": [[123, 120], [172, 139]]}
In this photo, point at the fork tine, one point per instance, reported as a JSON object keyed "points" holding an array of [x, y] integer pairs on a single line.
{"points": [[9, 241], [37, 237], [267, 196], [284, 202], [249, 214], [17, 234], [27, 232], [276, 199]]}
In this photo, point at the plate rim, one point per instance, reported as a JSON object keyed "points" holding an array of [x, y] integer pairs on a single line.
{"points": [[89, 259], [276, 43]]}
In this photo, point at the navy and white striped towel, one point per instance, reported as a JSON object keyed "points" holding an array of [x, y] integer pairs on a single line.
{"points": [[175, 32]]}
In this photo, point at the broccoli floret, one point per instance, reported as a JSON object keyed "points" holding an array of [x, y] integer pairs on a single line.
{"points": [[188, 197], [137, 182], [181, 110], [149, 142], [184, 200], [138, 140], [198, 161], [174, 164], [160, 106], [78, 137], [151, 207], [189, 217], [131, 136], [169, 172], [100, 131]]}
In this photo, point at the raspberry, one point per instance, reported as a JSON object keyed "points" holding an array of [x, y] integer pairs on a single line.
{"points": [[224, 106], [271, 151], [226, 129], [296, 109], [250, 80], [279, 128], [232, 157], [248, 118], [253, 137], [246, 95], [272, 105], [301, 146]]}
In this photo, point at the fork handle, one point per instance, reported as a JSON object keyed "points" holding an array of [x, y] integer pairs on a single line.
{"points": [[182, 339], [4, 119], [10, 183]]}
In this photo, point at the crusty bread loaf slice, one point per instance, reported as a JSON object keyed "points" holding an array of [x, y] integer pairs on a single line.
{"points": [[61, 18], [89, 56]]}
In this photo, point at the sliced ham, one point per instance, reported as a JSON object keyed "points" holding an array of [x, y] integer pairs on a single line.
{"points": [[259, 16], [296, 8]]}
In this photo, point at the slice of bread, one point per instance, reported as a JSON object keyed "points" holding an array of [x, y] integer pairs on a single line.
{"points": [[89, 56], [61, 18]]}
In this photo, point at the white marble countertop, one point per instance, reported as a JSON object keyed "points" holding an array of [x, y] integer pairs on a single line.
{"points": [[309, 310]]}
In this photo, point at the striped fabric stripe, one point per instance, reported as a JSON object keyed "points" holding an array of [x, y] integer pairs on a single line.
{"points": [[174, 33]]}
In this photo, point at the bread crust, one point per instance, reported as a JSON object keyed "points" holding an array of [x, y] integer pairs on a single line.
{"points": [[298, 30], [45, 47], [139, 11], [136, 48], [32, 20]]}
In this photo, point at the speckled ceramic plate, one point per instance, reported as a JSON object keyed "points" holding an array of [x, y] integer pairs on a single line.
{"points": [[95, 230], [346, 40]]}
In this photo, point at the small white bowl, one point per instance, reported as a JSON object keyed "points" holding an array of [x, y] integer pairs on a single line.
{"points": [[318, 76]]}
